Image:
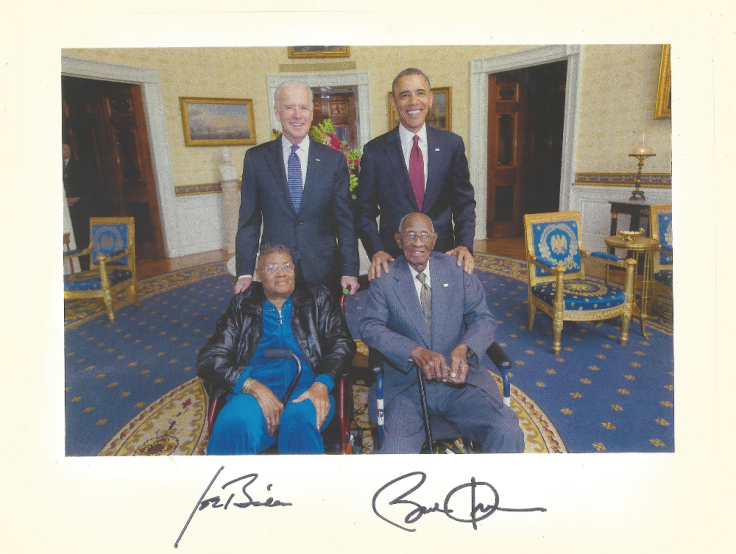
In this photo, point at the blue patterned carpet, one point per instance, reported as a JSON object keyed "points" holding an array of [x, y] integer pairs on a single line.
{"points": [[599, 395]]}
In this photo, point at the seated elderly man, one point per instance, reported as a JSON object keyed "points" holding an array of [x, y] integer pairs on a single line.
{"points": [[275, 314], [426, 311]]}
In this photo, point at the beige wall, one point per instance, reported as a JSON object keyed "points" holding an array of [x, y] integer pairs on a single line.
{"points": [[619, 86], [616, 106]]}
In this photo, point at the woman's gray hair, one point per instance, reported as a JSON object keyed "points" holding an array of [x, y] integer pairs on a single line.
{"points": [[267, 249]]}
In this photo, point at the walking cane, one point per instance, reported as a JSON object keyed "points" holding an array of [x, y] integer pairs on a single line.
{"points": [[280, 354], [425, 409]]}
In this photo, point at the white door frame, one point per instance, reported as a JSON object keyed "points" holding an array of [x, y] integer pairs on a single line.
{"points": [[153, 107], [479, 71], [330, 80]]}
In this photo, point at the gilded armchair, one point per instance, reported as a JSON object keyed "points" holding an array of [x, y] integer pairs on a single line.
{"points": [[556, 276], [112, 263], [660, 229]]}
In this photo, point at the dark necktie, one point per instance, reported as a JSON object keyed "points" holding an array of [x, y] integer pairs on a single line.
{"points": [[416, 172], [425, 299], [294, 178]]}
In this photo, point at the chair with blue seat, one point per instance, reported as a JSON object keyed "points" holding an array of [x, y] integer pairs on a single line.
{"points": [[660, 229], [112, 263], [556, 276]]}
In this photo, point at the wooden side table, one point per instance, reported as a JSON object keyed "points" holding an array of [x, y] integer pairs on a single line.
{"points": [[642, 247]]}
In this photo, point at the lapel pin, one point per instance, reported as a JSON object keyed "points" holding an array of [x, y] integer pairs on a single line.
{"points": [[445, 285], [436, 149], [318, 159]]}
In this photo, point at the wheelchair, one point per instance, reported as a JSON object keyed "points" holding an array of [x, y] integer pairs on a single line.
{"points": [[336, 434], [442, 436]]}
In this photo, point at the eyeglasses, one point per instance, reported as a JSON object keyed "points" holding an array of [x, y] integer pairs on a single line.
{"points": [[273, 268], [411, 236]]}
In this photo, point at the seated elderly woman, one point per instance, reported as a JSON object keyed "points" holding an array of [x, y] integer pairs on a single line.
{"points": [[275, 314]]}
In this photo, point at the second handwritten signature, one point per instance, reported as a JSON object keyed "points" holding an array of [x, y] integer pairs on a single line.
{"points": [[467, 503]]}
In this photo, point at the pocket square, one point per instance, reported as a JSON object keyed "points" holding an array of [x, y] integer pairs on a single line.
{"points": [[445, 285]]}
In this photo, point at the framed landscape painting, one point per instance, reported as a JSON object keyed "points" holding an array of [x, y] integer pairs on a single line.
{"points": [[319, 51], [217, 121]]}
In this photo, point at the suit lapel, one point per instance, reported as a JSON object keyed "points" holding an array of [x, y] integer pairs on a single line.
{"points": [[406, 294], [434, 154], [315, 173], [396, 159], [440, 293], [275, 161]]}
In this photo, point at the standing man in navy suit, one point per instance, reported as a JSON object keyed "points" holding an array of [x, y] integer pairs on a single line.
{"points": [[300, 191], [415, 168]]}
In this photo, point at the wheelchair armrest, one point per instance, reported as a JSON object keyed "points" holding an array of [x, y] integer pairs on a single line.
{"points": [[375, 361], [498, 356]]}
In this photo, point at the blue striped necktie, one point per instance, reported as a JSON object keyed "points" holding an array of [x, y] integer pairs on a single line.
{"points": [[294, 179]]}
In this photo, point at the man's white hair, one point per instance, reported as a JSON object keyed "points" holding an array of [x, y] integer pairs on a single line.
{"points": [[292, 84], [401, 224]]}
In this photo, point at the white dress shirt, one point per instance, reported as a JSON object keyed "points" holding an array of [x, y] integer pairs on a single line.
{"points": [[407, 143]]}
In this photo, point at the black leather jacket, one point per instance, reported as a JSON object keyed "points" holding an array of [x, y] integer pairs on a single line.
{"points": [[317, 321]]}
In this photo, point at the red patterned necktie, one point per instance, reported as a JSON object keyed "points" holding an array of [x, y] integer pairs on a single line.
{"points": [[416, 172]]}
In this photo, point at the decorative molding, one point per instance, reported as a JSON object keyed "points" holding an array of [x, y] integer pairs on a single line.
{"points": [[330, 80], [479, 71], [193, 190], [153, 106], [648, 180]]}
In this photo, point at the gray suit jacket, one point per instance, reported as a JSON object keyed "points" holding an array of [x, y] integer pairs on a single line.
{"points": [[393, 322], [323, 234]]}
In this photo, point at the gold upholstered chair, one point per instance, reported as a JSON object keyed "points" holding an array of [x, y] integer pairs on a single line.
{"points": [[660, 229], [556, 276], [112, 262]]}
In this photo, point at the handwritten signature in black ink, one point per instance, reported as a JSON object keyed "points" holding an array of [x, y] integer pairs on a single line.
{"points": [[216, 501], [477, 510]]}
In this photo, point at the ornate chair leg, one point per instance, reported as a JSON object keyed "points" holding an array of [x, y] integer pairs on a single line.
{"points": [[108, 304], [134, 291], [530, 314], [559, 311], [106, 289]]}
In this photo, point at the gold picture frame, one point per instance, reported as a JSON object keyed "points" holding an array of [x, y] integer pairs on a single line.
{"points": [[217, 121], [319, 52], [663, 104], [440, 114]]}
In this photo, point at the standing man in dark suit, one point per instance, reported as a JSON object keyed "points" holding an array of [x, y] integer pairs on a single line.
{"points": [[300, 191], [79, 186], [427, 312], [415, 168]]}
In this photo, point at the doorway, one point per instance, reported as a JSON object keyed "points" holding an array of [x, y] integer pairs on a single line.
{"points": [[526, 115], [104, 124], [338, 104]]}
